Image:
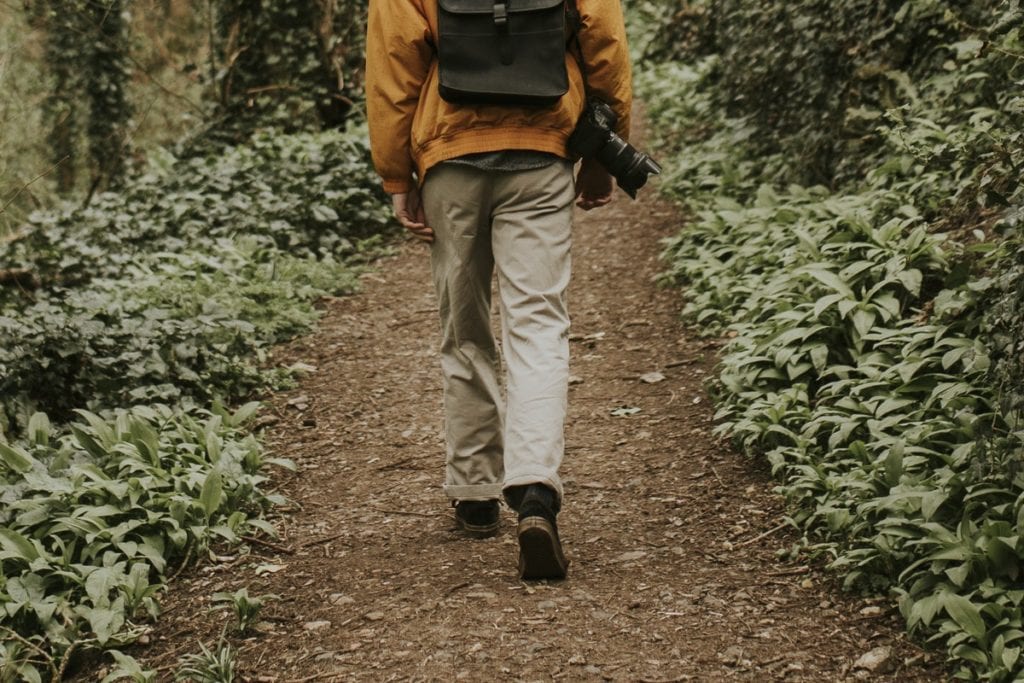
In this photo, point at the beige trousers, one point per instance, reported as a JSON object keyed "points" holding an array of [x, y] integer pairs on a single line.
{"points": [[520, 224]]}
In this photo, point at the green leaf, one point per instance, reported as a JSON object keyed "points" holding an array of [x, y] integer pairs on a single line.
{"points": [[911, 280], [39, 429], [17, 459], [213, 447], [147, 441], [830, 280], [244, 414], [966, 614], [1011, 656], [894, 464], [100, 583], [212, 494], [105, 622], [18, 545], [863, 321]]}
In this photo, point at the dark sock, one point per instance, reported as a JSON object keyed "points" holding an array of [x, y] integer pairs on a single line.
{"points": [[538, 501]]}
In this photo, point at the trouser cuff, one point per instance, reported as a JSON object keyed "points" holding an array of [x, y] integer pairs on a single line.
{"points": [[552, 482], [473, 491]]}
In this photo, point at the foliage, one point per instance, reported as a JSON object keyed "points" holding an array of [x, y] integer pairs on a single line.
{"points": [[66, 31], [811, 76], [171, 289], [94, 522], [128, 669], [43, 84], [87, 47], [246, 608], [105, 76], [1007, 319], [291, 65], [208, 666], [861, 316]]}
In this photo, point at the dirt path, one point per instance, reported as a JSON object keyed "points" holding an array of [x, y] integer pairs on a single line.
{"points": [[672, 536]]}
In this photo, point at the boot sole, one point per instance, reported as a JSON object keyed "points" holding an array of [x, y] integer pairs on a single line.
{"points": [[476, 531], [540, 552]]}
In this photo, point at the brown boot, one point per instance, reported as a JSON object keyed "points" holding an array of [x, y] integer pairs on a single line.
{"points": [[540, 550]]}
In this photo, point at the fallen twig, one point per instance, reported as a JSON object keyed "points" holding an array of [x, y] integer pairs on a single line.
{"points": [[35, 648], [791, 572], [267, 544], [23, 188], [406, 512], [763, 536], [184, 563], [456, 588], [328, 539], [403, 461]]}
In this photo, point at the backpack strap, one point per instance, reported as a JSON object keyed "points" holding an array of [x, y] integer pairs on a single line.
{"points": [[501, 25], [575, 20]]}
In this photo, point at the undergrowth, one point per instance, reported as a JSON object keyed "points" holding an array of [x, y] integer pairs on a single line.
{"points": [[97, 518], [119, 322], [172, 289], [875, 322]]}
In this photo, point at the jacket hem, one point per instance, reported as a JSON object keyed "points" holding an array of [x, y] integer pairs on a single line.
{"points": [[478, 141]]}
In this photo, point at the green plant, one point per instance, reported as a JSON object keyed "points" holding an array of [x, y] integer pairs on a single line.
{"points": [[245, 608], [127, 668], [95, 520], [862, 317], [208, 666], [290, 65], [173, 289]]}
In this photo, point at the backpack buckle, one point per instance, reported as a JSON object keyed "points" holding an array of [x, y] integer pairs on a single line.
{"points": [[501, 16]]}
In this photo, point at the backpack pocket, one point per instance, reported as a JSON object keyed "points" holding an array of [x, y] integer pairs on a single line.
{"points": [[502, 51]]}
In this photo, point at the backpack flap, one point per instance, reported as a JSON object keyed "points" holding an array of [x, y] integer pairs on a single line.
{"points": [[502, 51]]}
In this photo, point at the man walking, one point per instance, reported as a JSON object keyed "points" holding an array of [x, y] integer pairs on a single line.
{"points": [[490, 186]]}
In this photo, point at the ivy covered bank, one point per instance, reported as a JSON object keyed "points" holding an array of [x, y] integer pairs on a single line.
{"points": [[853, 173]]}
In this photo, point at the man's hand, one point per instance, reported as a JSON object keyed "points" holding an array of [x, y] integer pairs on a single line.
{"points": [[593, 186], [409, 212]]}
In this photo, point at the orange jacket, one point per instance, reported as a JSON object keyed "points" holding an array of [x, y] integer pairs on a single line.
{"points": [[412, 128]]}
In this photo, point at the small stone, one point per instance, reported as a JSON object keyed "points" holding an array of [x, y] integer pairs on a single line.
{"points": [[732, 655], [871, 611], [263, 627], [374, 616], [340, 599], [575, 380], [877, 661], [299, 402], [316, 625], [631, 556], [652, 378], [482, 595], [577, 660]]}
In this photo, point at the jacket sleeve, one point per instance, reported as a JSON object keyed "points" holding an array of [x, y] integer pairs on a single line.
{"points": [[605, 54], [398, 57]]}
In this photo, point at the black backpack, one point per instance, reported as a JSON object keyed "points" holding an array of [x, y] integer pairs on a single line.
{"points": [[504, 51]]}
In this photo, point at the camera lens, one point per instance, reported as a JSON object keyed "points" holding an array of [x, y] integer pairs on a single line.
{"points": [[630, 167]]}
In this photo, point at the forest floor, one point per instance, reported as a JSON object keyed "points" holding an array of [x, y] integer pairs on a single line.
{"points": [[672, 535]]}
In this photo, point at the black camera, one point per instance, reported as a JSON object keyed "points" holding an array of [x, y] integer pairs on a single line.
{"points": [[595, 137]]}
